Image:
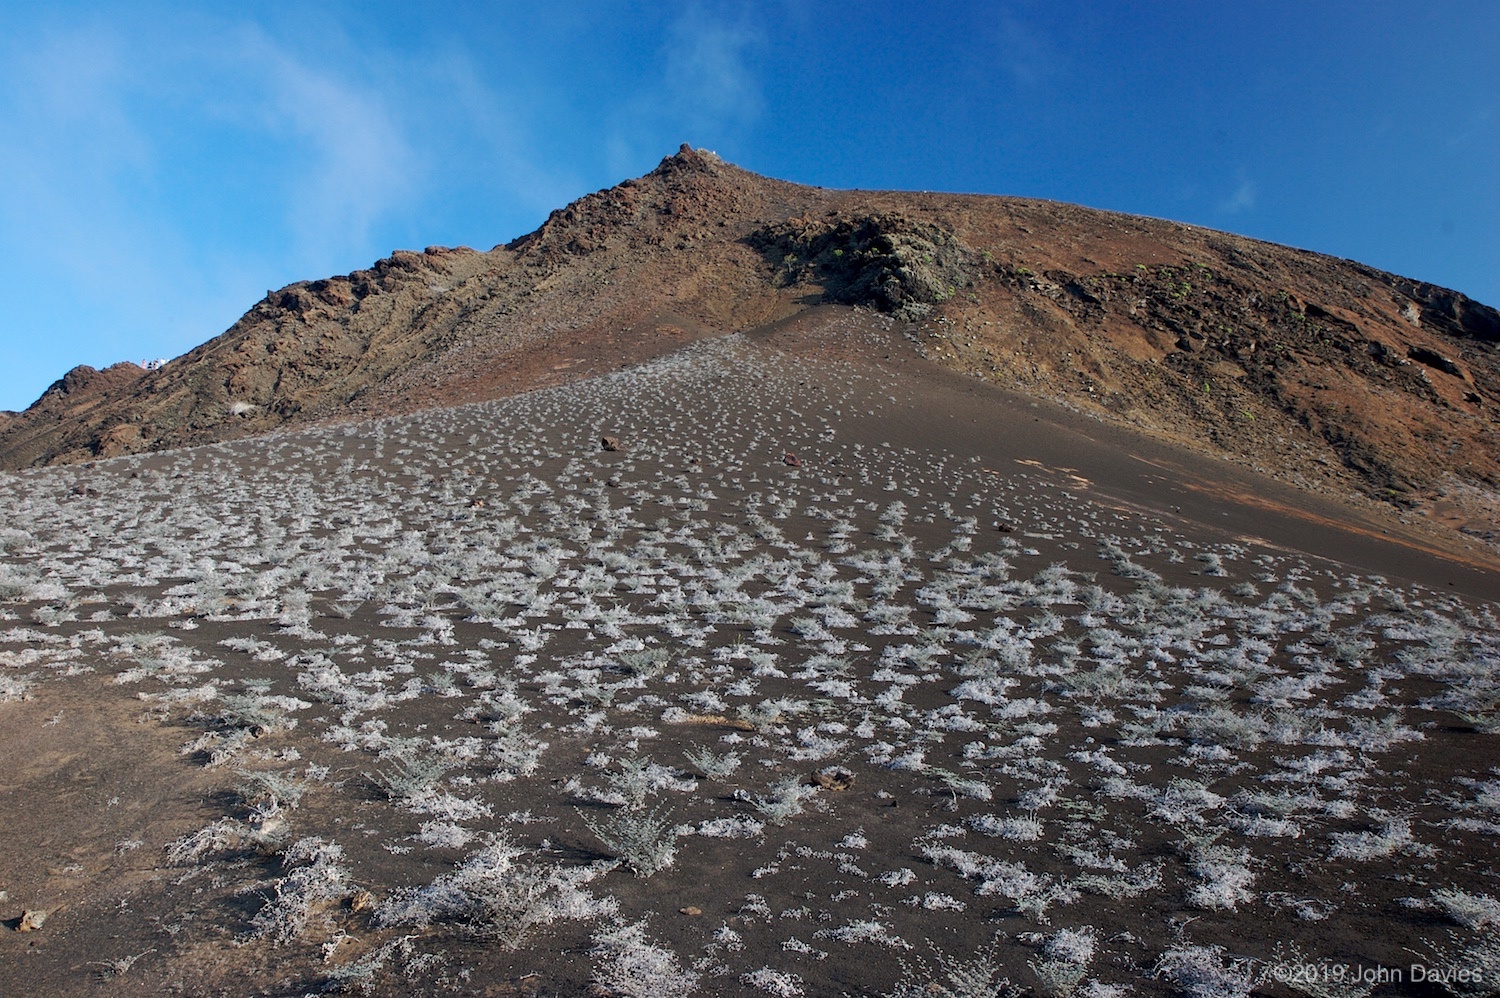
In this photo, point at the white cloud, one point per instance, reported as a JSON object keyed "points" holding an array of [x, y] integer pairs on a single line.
{"points": [[71, 147], [155, 175], [707, 79], [87, 266], [350, 159], [704, 89], [1028, 56], [1242, 199], [109, 111], [483, 138]]}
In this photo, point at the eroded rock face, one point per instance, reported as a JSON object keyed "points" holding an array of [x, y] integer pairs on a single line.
{"points": [[118, 440], [1327, 372], [83, 381], [886, 260], [1450, 312]]}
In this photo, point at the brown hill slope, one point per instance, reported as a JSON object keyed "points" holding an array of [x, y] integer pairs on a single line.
{"points": [[1326, 372]]}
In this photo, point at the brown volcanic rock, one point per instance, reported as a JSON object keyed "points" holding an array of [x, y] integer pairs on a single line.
{"points": [[84, 382], [1323, 371], [83, 395]]}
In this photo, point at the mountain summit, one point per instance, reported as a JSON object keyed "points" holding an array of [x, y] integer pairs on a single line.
{"points": [[852, 568], [1322, 371]]}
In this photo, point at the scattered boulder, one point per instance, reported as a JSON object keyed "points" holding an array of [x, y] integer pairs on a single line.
{"points": [[32, 920], [1435, 360], [833, 778], [608, 443]]}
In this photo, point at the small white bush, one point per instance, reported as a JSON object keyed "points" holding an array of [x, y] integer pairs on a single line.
{"points": [[631, 965], [1205, 972], [319, 881], [645, 840], [498, 893], [1393, 836], [775, 982], [712, 765], [980, 976], [785, 799], [864, 931], [1223, 873], [1473, 911]]}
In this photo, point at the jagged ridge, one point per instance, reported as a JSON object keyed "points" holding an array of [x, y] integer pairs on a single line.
{"points": [[1323, 370]]}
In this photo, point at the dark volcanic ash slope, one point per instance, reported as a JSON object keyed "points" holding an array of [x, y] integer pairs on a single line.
{"points": [[1328, 372]]}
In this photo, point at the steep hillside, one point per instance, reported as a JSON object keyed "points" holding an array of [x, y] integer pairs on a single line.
{"points": [[827, 679], [1325, 372]]}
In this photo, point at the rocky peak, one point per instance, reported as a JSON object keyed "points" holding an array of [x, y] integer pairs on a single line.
{"points": [[688, 192], [84, 380], [1337, 374], [688, 160]]}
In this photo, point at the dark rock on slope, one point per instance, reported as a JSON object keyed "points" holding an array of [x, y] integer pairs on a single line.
{"points": [[1325, 372]]}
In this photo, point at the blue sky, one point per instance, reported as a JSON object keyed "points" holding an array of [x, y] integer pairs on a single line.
{"points": [[163, 164]]}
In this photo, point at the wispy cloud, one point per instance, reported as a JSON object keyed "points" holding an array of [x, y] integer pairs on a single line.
{"points": [[708, 81], [1242, 199], [1027, 54], [71, 142], [704, 88], [348, 158], [101, 130], [174, 171], [90, 264], [485, 141]]}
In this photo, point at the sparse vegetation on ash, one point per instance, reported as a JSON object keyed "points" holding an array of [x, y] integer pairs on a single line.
{"points": [[462, 699]]}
